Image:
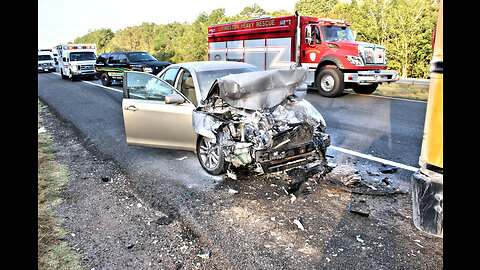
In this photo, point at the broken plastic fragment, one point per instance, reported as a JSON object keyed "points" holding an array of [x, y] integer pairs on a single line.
{"points": [[232, 191], [204, 256], [299, 224], [360, 239]]}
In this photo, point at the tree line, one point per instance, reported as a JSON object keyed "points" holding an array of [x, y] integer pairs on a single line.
{"points": [[404, 27]]}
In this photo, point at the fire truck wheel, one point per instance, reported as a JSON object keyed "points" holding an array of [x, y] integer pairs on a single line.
{"points": [[330, 82], [365, 89], [105, 79]]}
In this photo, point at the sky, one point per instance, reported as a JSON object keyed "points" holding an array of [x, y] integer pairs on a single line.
{"points": [[61, 21]]}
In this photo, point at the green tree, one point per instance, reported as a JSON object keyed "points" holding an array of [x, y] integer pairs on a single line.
{"points": [[315, 8], [135, 38], [165, 43], [100, 37], [251, 12]]}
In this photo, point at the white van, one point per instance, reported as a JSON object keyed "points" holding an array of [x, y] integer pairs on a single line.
{"points": [[77, 60], [45, 61]]}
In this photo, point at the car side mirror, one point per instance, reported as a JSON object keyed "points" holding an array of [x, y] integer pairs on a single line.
{"points": [[174, 99]]}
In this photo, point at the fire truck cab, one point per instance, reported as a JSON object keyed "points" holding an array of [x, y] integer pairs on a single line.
{"points": [[326, 46], [76, 60]]}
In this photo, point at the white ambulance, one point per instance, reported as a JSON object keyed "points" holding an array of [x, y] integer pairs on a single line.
{"points": [[76, 60], [45, 60]]}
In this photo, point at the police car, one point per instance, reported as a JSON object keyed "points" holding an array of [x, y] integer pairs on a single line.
{"points": [[110, 66]]}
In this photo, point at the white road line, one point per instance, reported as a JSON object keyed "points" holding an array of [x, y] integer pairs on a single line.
{"points": [[106, 87], [381, 160], [99, 85], [346, 151]]}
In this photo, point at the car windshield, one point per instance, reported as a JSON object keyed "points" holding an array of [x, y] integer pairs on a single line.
{"points": [[82, 56], [140, 57], [44, 57], [206, 78], [337, 33]]}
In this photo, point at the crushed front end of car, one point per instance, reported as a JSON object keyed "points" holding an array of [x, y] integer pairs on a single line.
{"points": [[261, 121]]}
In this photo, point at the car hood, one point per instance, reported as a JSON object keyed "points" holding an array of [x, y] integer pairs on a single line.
{"points": [[259, 90]]}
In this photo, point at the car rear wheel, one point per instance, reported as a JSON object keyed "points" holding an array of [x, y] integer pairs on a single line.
{"points": [[210, 155]]}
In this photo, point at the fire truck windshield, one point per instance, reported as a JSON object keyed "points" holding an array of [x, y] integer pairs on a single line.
{"points": [[337, 33], [82, 56]]}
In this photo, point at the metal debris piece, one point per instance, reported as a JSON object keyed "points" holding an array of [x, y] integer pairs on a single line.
{"points": [[389, 170], [358, 209], [164, 220]]}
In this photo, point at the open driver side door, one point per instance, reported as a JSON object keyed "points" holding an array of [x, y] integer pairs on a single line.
{"points": [[149, 120]]}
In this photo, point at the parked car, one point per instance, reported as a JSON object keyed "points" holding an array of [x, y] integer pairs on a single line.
{"points": [[111, 66], [229, 113], [45, 61]]}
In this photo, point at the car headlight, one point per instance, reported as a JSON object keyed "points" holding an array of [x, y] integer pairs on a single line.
{"points": [[355, 60], [74, 67], [147, 69]]}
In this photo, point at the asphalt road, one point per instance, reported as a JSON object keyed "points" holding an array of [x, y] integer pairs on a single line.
{"points": [[378, 129]]}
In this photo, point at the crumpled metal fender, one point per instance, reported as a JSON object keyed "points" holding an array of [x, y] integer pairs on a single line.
{"points": [[204, 125]]}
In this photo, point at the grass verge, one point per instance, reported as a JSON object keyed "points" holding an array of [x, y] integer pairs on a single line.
{"points": [[410, 91], [53, 251]]}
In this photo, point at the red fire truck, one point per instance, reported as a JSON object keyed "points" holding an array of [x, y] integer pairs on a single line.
{"points": [[326, 47]]}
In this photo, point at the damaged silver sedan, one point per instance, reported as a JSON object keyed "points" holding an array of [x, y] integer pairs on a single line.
{"points": [[256, 120]]}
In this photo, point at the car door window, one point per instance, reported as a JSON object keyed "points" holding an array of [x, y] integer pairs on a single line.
{"points": [[169, 75], [187, 87], [122, 58], [113, 59], [141, 85]]}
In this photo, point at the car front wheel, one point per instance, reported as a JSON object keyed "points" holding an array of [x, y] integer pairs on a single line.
{"points": [[210, 155], [105, 79]]}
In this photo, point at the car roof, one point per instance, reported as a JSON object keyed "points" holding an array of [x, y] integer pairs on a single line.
{"points": [[213, 65]]}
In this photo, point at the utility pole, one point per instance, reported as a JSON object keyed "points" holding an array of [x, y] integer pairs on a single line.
{"points": [[427, 183]]}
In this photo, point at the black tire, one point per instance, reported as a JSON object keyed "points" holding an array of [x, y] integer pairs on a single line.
{"points": [[106, 81], [365, 89], [72, 77], [330, 82], [210, 156], [64, 77]]}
